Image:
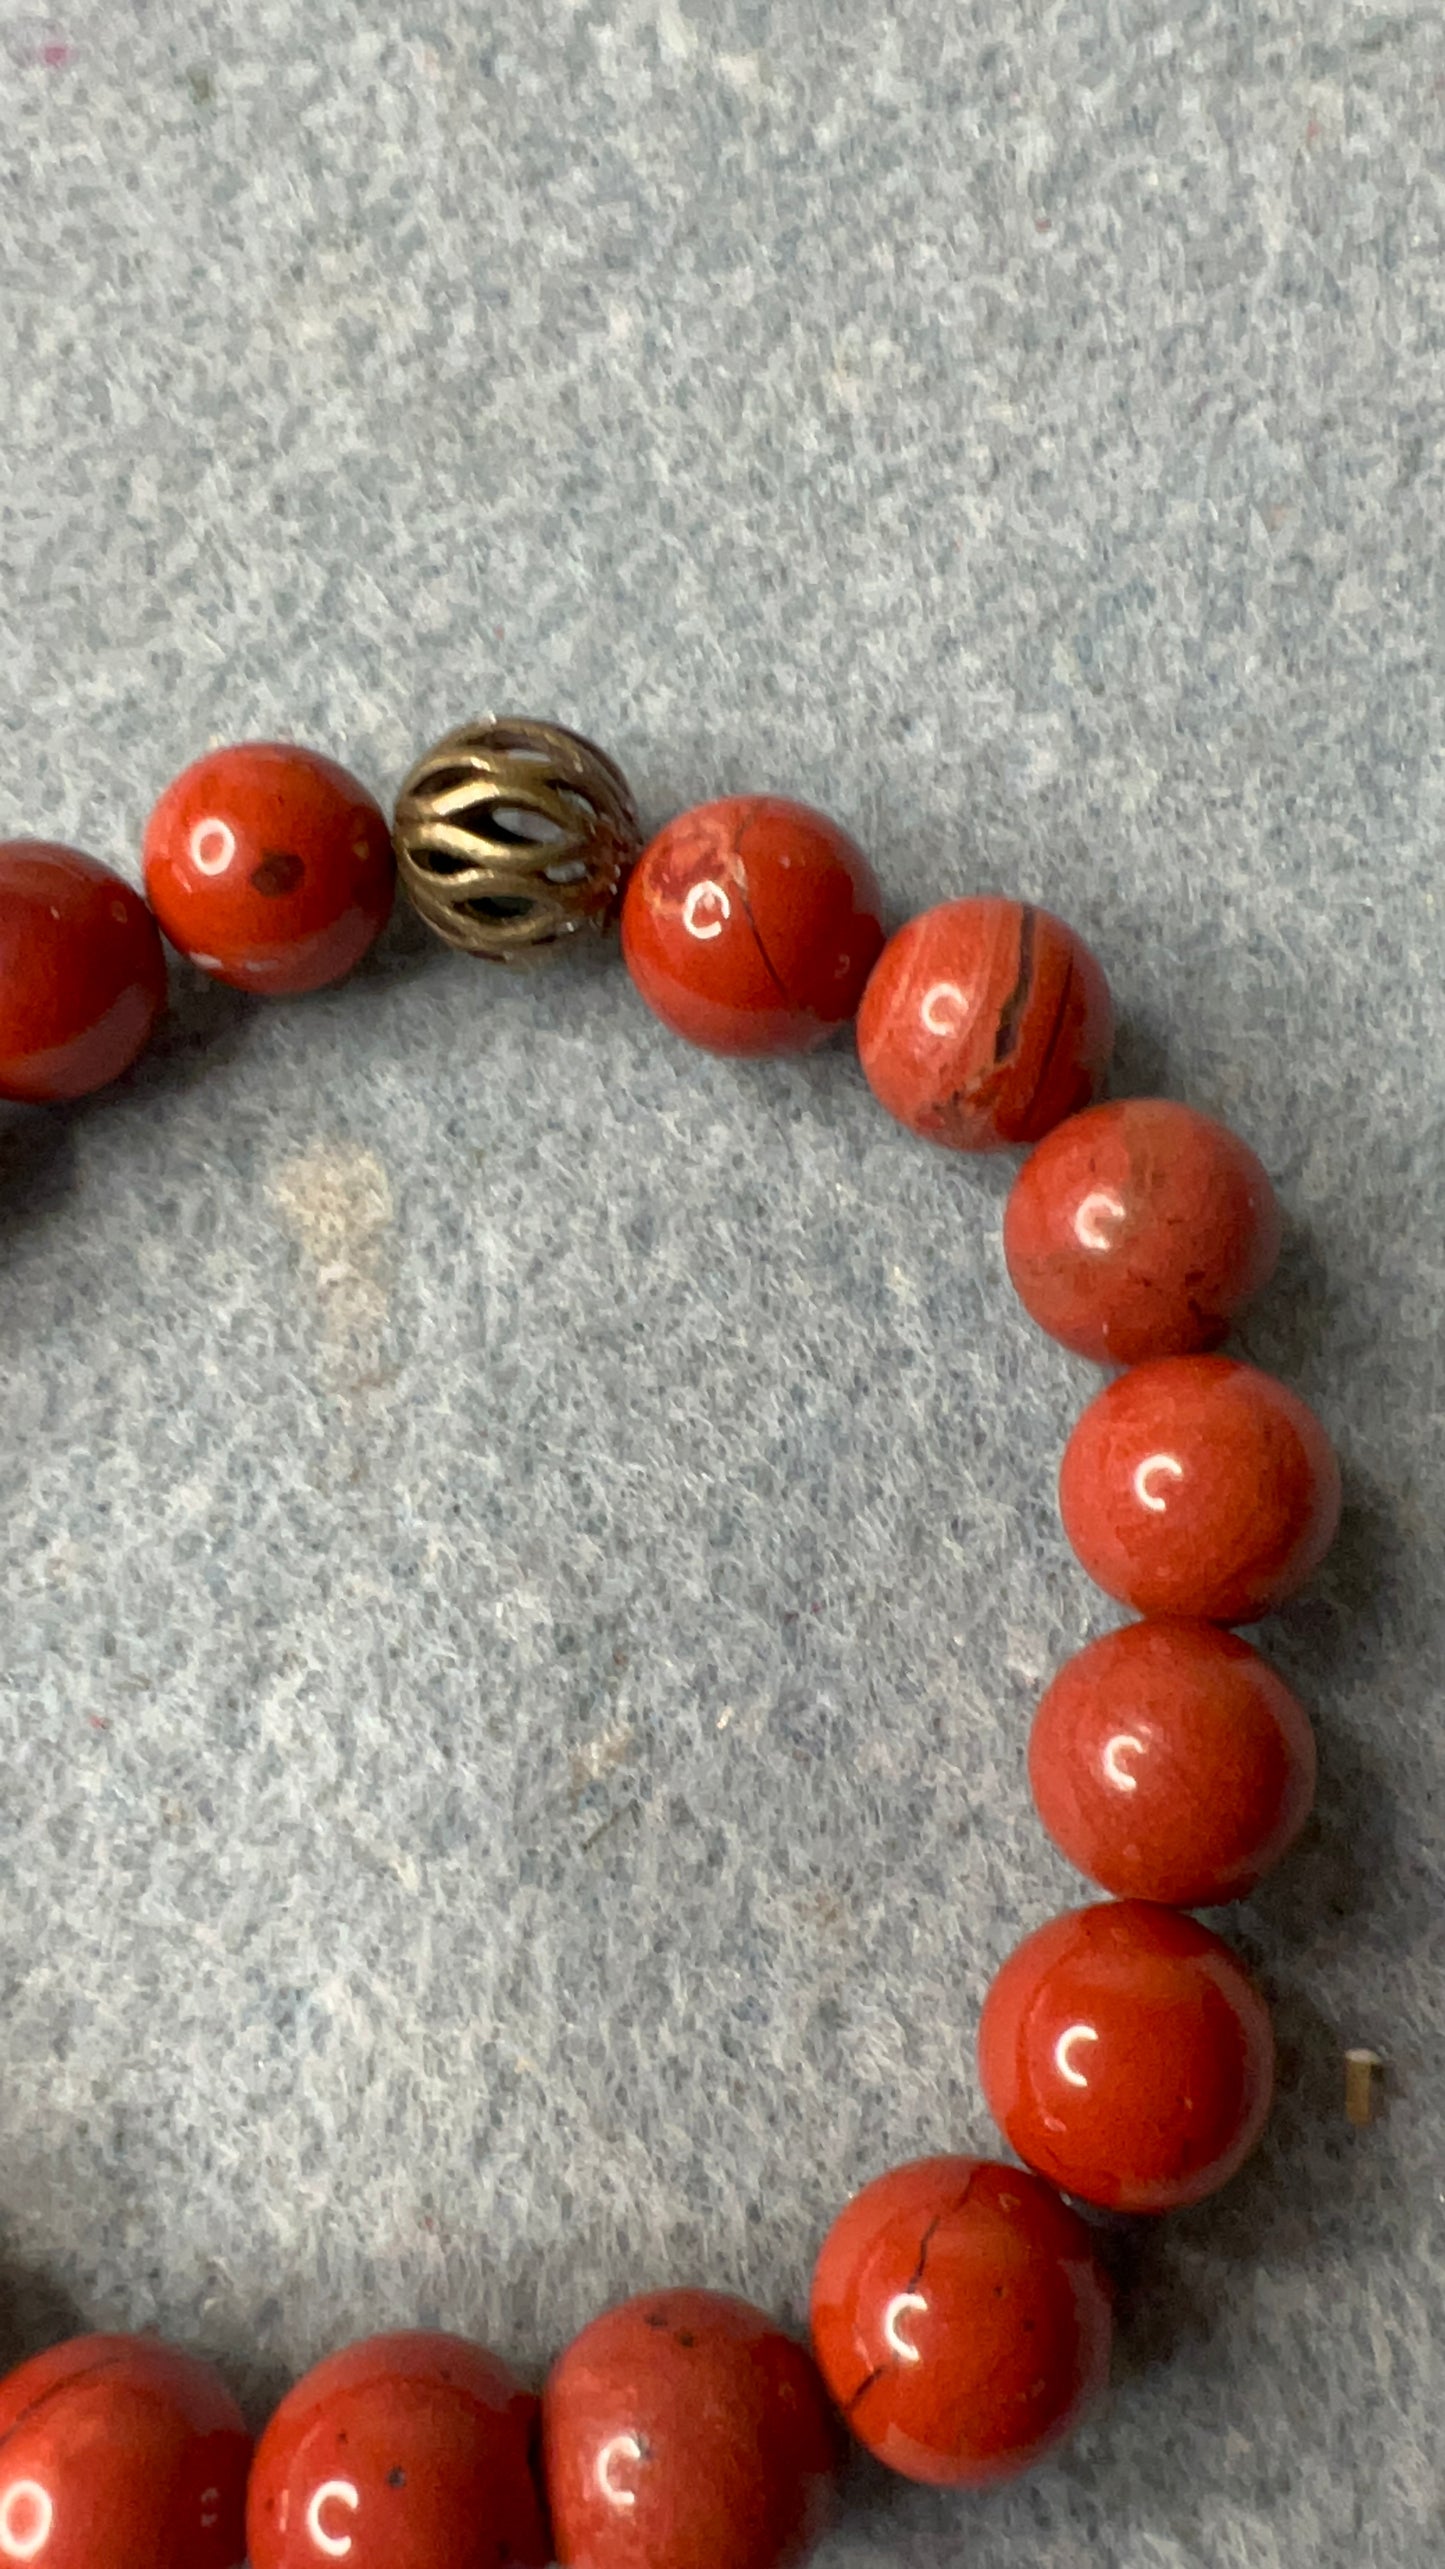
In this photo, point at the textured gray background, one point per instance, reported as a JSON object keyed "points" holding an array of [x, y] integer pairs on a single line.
{"points": [[528, 1552]]}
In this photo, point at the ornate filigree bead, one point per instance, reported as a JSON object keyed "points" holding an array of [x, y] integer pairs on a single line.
{"points": [[513, 835]]}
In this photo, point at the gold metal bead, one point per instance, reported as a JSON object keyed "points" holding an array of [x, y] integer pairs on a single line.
{"points": [[512, 835]]}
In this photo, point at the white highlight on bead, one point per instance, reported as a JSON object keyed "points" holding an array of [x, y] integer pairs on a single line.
{"points": [[709, 898], [1098, 1218], [944, 1008], [1123, 1743], [27, 2516], [893, 2318], [618, 2448], [1064, 2048], [213, 844], [332, 2493], [210, 2510], [1156, 1467]]}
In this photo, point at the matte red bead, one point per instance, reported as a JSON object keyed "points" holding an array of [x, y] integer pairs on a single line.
{"points": [[1199, 1486], [82, 973], [1126, 2054], [1171, 1763], [270, 867], [1140, 1229], [750, 925], [683, 2430], [121, 2453], [985, 1022], [407, 2451], [961, 2320]]}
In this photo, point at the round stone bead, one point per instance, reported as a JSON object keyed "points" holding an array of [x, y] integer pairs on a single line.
{"points": [[751, 925], [961, 2320], [1140, 1229], [406, 2451], [683, 2430], [121, 2453], [270, 867], [1171, 1763], [1126, 2054], [82, 973], [985, 1022], [1199, 1486]]}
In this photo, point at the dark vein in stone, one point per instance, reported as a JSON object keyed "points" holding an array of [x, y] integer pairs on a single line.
{"points": [[1056, 1030], [1011, 1013], [914, 2280], [741, 888]]}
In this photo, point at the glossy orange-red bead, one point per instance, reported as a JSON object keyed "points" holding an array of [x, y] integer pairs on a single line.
{"points": [[1127, 2056], [405, 2451], [1171, 1763], [82, 973], [984, 1023], [683, 2430], [750, 925], [961, 2320], [1139, 1229], [121, 2453], [270, 867], [1196, 1485]]}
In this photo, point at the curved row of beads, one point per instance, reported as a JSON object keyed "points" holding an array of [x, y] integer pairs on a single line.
{"points": [[960, 2320]]}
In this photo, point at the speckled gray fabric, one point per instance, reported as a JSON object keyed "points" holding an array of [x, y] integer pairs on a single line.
{"points": [[528, 1552]]}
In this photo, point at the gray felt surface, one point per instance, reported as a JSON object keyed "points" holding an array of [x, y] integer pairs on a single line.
{"points": [[529, 1552]]}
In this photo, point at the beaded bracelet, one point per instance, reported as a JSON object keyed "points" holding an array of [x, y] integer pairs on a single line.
{"points": [[961, 2310]]}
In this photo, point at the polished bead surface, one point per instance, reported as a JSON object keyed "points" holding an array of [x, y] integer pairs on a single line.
{"points": [[961, 2320], [1196, 1485], [683, 2430], [406, 2451], [1140, 1229], [121, 2453], [1171, 1763], [1126, 2054], [751, 925], [984, 1023], [270, 867], [82, 973]]}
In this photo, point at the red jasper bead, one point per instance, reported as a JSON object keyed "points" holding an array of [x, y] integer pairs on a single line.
{"points": [[985, 1022], [1126, 2054], [407, 2451], [270, 867], [683, 2430], [82, 973], [961, 2320], [1198, 1486], [751, 925], [1139, 1229], [1171, 1763], [121, 2453]]}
